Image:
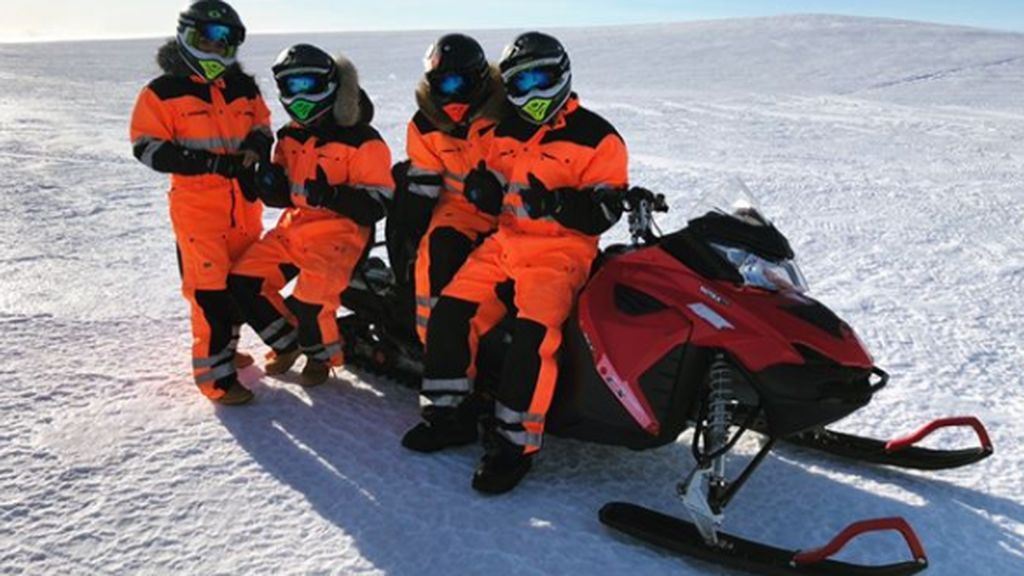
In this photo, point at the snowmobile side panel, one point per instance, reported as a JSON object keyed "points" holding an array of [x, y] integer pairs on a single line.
{"points": [[585, 409]]}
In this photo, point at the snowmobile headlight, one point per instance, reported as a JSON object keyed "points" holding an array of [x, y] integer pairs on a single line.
{"points": [[781, 276]]}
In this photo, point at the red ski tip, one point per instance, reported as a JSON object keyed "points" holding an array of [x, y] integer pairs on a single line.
{"points": [[908, 441], [863, 527]]}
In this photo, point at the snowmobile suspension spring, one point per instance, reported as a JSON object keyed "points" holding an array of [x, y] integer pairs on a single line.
{"points": [[719, 395]]}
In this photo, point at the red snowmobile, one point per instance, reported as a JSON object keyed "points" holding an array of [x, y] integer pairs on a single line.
{"points": [[708, 327]]}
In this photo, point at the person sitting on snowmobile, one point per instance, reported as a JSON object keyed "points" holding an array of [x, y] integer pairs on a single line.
{"points": [[459, 100], [205, 123], [332, 172], [554, 172]]}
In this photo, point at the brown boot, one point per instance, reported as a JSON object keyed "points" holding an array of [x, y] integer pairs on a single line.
{"points": [[279, 363], [233, 394], [243, 360], [315, 373]]}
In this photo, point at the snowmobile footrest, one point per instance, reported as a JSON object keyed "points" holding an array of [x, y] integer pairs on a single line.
{"points": [[682, 537]]}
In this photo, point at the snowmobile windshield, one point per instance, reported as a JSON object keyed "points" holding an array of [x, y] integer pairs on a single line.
{"points": [[736, 228], [784, 276]]}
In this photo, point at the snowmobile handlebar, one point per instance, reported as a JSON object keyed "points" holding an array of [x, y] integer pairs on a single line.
{"points": [[638, 197], [641, 204]]}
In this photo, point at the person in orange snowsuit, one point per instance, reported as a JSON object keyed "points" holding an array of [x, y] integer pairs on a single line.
{"points": [[332, 172], [555, 172], [459, 100], [205, 123]]}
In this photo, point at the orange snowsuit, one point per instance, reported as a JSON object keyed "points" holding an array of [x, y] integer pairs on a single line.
{"points": [[544, 263], [441, 154], [176, 117], [318, 244]]}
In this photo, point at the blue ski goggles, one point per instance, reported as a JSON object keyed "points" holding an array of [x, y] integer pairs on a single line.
{"points": [[220, 33], [531, 79], [453, 85], [306, 83]]}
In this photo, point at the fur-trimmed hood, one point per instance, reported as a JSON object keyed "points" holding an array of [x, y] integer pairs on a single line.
{"points": [[352, 105], [169, 58], [493, 108]]}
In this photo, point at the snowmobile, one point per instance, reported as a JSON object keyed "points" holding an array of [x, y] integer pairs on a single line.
{"points": [[708, 327]]}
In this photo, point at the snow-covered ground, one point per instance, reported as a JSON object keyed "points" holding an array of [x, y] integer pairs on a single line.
{"points": [[891, 153]]}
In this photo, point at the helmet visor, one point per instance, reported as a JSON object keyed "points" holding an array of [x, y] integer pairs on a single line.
{"points": [[201, 45], [451, 84], [310, 84], [459, 86], [297, 84], [217, 33], [533, 79]]}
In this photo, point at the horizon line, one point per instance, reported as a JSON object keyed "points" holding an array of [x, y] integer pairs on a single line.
{"points": [[129, 37]]}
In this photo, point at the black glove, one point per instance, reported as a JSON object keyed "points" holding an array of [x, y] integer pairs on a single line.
{"points": [[361, 206], [226, 165], [259, 142], [247, 183], [539, 201], [319, 191], [484, 190], [272, 185]]}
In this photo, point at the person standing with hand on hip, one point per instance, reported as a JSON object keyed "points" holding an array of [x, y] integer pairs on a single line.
{"points": [[205, 123]]}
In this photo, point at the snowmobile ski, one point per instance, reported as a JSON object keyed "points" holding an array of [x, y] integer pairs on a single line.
{"points": [[900, 452], [683, 537]]}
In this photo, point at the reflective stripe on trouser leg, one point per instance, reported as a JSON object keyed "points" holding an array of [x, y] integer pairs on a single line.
{"points": [[318, 332], [442, 252], [524, 429], [444, 393], [212, 357], [528, 380], [448, 356], [274, 329]]}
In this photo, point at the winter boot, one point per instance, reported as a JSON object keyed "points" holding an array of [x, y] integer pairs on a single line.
{"points": [[230, 394], [315, 373], [502, 466], [243, 360], [441, 428], [280, 362]]}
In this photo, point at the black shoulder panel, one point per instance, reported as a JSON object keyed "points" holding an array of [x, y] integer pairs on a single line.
{"points": [[516, 127], [354, 136], [240, 86], [169, 87], [423, 124], [296, 133], [582, 127]]}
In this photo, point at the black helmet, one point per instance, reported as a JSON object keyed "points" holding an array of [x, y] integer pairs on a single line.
{"points": [[537, 76], [307, 81], [457, 72], [209, 21]]}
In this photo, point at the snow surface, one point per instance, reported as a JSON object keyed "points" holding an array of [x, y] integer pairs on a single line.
{"points": [[890, 152]]}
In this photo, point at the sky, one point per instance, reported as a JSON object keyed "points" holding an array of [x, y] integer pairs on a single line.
{"points": [[28, 20]]}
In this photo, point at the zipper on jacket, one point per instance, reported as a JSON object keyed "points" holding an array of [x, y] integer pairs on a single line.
{"points": [[231, 191]]}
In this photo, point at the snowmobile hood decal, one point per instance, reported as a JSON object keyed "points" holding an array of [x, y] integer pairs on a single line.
{"points": [[710, 316]]}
